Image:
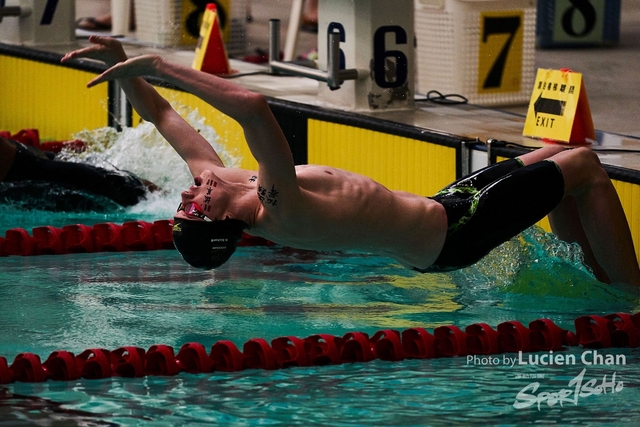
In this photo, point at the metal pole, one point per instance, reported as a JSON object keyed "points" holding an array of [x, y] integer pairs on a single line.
{"points": [[274, 42], [10, 11], [333, 61]]}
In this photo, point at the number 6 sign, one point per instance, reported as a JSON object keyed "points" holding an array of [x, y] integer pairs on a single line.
{"points": [[376, 36]]}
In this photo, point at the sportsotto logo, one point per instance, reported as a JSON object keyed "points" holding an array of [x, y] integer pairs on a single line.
{"points": [[527, 397]]}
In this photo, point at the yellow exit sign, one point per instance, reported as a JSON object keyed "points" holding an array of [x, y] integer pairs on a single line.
{"points": [[559, 108]]}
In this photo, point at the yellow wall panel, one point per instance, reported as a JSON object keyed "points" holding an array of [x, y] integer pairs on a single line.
{"points": [[629, 195], [228, 130], [398, 163], [50, 98]]}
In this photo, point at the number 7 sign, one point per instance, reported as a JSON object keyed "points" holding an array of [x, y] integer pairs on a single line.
{"points": [[500, 51]]}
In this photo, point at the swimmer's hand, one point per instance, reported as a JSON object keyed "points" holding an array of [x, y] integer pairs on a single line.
{"points": [[146, 65], [105, 49]]}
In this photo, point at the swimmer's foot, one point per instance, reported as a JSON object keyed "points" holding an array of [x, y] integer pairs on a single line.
{"points": [[90, 23], [7, 156], [101, 23]]}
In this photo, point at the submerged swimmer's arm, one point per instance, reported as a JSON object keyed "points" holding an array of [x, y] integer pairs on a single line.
{"points": [[188, 143], [251, 110]]}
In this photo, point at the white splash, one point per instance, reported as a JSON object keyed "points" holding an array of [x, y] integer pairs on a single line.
{"points": [[144, 152]]}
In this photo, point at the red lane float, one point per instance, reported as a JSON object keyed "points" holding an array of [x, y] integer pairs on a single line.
{"points": [[6, 374], [226, 357], [193, 358], [31, 137], [388, 345], [257, 354], [513, 336], [323, 349], [103, 237], [418, 343], [482, 339], [623, 330], [547, 336], [613, 330], [290, 351], [450, 341], [94, 363], [356, 347]]}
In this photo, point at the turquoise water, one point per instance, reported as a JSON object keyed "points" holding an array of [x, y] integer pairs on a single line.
{"points": [[109, 300]]}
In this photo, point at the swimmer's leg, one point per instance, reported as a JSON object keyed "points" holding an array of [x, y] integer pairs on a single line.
{"points": [[485, 176], [600, 213], [565, 219], [500, 211], [541, 153], [482, 177], [565, 223]]}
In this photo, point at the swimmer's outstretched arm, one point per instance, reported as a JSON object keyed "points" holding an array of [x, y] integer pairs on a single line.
{"points": [[188, 143], [251, 110]]}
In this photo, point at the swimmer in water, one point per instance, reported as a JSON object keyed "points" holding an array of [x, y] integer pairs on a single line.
{"points": [[36, 178], [324, 208]]}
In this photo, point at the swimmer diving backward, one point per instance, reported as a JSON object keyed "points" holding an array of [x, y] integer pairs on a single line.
{"points": [[323, 208]]}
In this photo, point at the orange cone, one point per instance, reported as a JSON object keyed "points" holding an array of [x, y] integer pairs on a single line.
{"points": [[211, 55], [583, 128]]}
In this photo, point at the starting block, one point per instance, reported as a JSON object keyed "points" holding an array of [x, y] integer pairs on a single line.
{"points": [[481, 49], [376, 36], [367, 50], [37, 22]]}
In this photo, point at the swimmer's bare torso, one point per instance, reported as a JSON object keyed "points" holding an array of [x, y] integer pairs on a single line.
{"points": [[317, 207], [336, 209]]}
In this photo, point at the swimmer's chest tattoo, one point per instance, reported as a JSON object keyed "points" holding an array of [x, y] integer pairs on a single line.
{"points": [[268, 197]]}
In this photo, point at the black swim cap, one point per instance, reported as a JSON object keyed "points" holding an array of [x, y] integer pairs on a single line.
{"points": [[207, 244]]}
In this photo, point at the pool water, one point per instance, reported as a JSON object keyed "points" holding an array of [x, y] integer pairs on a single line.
{"points": [[109, 300], [113, 299]]}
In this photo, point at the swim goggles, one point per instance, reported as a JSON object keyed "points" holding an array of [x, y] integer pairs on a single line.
{"points": [[194, 210]]}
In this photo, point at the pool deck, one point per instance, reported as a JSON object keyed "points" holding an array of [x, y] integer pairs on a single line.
{"points": [[610, 78]]}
